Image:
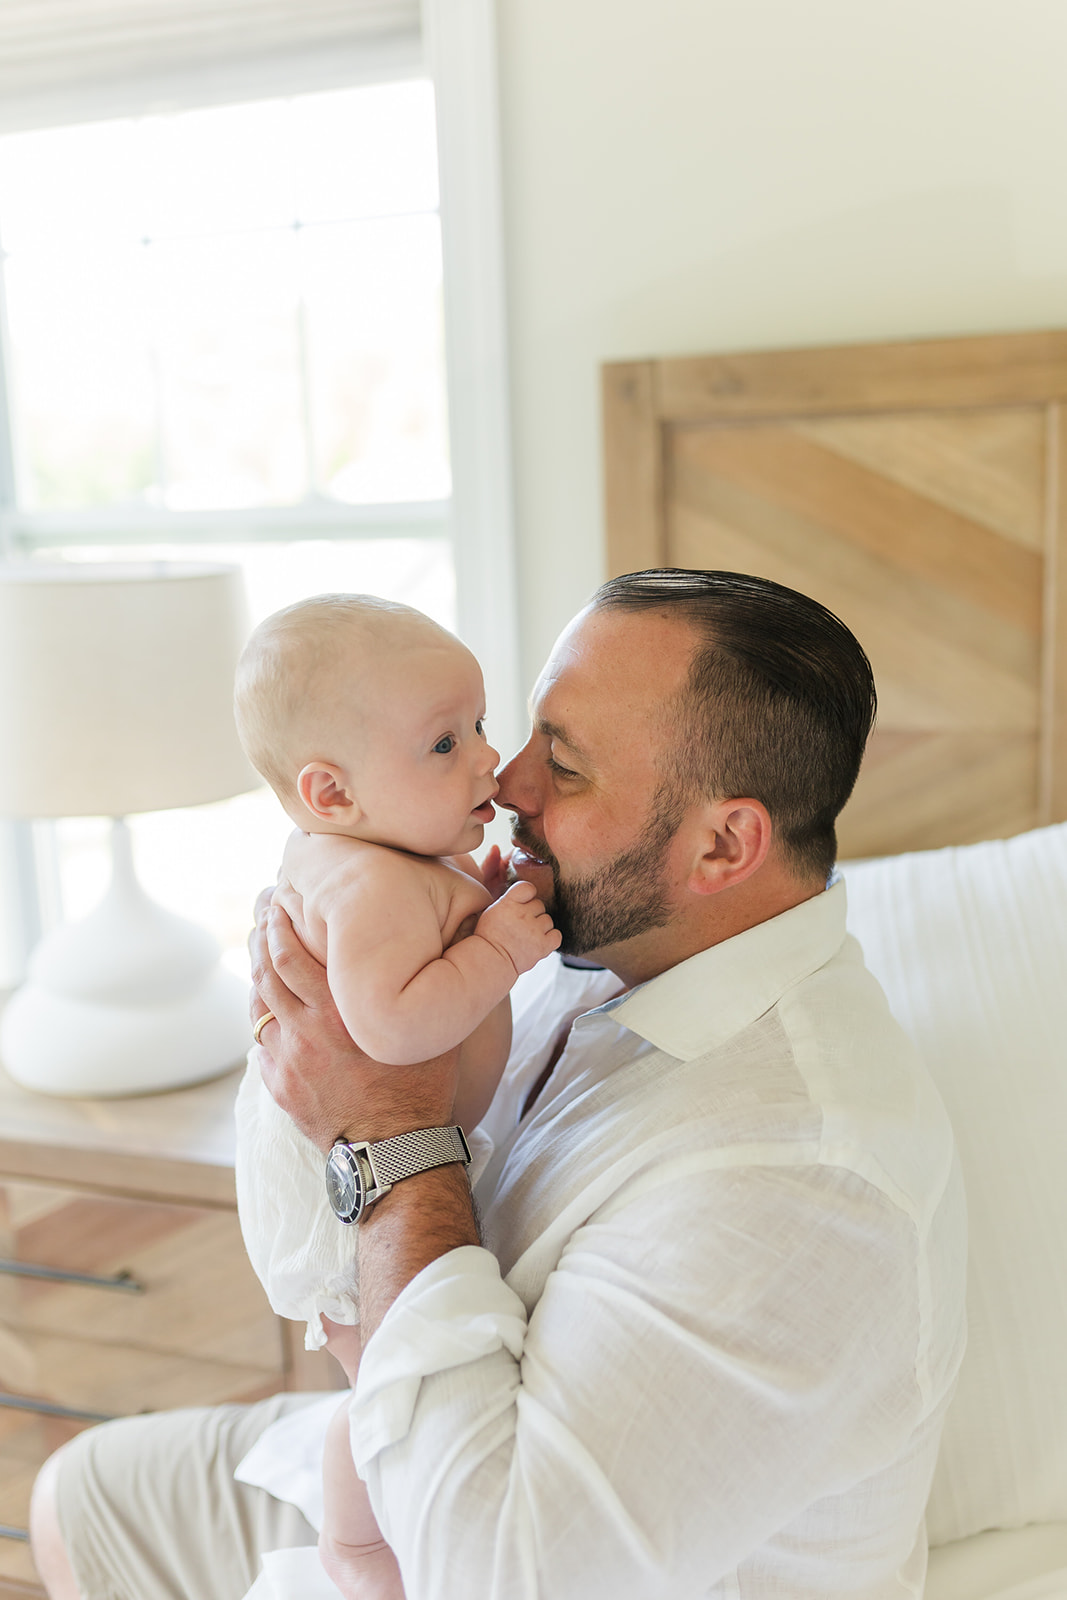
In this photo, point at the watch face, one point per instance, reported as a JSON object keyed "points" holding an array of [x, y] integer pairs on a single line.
{"points": [[344, 1183]]}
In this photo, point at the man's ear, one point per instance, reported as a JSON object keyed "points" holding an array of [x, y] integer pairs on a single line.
{"points": [[735, 839], [325, 791]]}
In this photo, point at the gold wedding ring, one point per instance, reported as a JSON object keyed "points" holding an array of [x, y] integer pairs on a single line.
{"points": [[268, 1016]]}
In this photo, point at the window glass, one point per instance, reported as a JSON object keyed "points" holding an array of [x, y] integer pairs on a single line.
{"points": [[377, 390], [230, 308], [221, 311], [86, 412], [371, 153], [231, 427]]}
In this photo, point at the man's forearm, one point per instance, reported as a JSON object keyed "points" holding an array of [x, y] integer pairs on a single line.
{"points": [[420, 1219]]}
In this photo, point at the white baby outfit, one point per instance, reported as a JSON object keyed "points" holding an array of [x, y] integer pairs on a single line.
{"points": [[302, 1255]]}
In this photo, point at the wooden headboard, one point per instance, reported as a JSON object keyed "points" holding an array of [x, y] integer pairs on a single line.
{"points": [[915, 489]]}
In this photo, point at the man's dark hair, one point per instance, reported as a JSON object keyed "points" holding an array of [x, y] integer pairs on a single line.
{"points": [[778, 705]]}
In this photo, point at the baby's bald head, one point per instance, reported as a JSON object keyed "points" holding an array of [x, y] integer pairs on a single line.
{"points": [[308, 670]]}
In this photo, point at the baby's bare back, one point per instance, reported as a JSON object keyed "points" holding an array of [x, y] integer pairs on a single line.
{"points": [[327, 879], [417, 951]]}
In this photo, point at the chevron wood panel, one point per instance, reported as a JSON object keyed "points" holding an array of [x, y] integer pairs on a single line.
{"points": [[862, 506], [926, 678], [750, 495], [1054, 665], [915, 490], [988, 466], [948, 609], [920, 790]]}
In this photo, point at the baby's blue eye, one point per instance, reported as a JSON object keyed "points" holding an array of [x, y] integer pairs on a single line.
{"points": [[478, 727], [444, 746]]}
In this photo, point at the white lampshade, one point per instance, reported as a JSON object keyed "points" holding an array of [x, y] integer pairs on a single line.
{"points": [[116, 687], [116, 694]]}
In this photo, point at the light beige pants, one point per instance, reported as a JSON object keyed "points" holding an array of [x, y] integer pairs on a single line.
{"points": [[149, 1509]]}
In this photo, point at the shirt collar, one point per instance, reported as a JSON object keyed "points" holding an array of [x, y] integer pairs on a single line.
{"points": [[705, 1000]]}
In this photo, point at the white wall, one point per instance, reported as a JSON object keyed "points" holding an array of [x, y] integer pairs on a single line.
{"points": [[685, 176]]}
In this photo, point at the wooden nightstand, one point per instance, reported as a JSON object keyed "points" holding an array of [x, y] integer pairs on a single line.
{"points": [[124, 1284]]}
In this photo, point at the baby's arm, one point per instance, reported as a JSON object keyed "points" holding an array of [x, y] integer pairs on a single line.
{"points": [[482, 1059], [401, 997]]}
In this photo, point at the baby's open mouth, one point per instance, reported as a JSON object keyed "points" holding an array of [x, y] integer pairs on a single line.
{"points": [[485, 812]]}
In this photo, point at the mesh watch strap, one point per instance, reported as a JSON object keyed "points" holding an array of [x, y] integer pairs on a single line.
{"points": [[408, 1153]]}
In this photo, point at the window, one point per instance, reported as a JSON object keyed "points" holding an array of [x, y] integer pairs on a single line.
{"points": [[229, 309], [225, 338]]}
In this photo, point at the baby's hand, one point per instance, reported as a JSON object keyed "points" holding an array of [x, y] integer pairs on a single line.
{"points": [[519, 925]]}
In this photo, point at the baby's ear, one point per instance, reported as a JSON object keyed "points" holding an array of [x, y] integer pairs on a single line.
{"points": [[323, 790]]}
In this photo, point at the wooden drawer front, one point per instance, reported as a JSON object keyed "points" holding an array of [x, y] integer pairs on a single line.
{"points": [[196, 1330], [101, 1379], [198, 1295], [25, 1441]]}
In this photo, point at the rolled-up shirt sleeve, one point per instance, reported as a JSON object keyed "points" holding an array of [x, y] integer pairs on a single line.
{"points": [[679, 1392]]}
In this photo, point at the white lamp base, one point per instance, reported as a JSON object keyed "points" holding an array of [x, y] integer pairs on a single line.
{"points": [[131, 1000], [58, 1044]]}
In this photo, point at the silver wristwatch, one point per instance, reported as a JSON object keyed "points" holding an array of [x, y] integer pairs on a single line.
{"points": [[359, 1174]]}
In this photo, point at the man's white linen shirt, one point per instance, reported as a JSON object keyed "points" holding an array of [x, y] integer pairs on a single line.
{"points": [[708, 1345]]}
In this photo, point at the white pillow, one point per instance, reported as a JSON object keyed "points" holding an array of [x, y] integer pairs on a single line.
{"points": [[970, 945]]}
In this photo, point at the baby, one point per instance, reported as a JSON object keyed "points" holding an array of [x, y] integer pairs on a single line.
{"points": [[366, 719]]}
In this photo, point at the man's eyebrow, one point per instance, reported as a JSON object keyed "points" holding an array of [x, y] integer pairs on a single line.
{"points": [[552, 730]]}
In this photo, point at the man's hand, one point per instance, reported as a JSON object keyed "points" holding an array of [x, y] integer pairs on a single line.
{"points": [[494, 871], [329, 1087], [311, 1065], [519, 925], [492, 874]]}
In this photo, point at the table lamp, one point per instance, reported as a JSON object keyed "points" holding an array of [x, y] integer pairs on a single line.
{"points": [[116, 687]]}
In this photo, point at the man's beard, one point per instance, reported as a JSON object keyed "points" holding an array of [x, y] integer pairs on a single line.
{"points": [[625, 898]]}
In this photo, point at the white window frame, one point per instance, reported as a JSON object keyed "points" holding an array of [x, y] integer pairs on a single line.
{"points": [[459, 42]]}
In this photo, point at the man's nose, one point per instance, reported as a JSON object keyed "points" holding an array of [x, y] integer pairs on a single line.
{"points": [[519, 789]]}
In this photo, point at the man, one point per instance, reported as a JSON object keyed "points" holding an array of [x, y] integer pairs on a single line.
{"points": [[704, 1341]]}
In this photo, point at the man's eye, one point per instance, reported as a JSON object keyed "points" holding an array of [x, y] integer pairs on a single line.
{"points": [[561, 772], [444, 746]]}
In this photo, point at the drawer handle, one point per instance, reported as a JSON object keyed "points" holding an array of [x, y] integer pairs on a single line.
{"points": [[125, 1282], [48, 1408]]}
